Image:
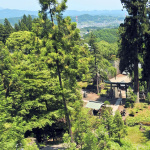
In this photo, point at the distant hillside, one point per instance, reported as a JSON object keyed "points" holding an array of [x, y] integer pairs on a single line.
{"points": [[97, 21], [11, 13], [118, 13], [84, 20], [14, 20], [97, 18], [108, 35], [101, 18]]}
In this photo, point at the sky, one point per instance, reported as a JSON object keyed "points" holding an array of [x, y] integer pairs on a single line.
{"points": [[72, 4]]}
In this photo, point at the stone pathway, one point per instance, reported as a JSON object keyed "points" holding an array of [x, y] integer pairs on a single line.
{"points": [[116, 106], [118, 101], [54, 147]]}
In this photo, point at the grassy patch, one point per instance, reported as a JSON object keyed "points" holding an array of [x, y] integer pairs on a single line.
{"points": [[140, 139], [136, 136], [141, 115]]}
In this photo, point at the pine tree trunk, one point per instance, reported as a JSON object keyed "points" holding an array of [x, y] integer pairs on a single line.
{"points": [[136, 79], [136, 72], [97, 83], [64, 101], [60, 83], [148, 85]]}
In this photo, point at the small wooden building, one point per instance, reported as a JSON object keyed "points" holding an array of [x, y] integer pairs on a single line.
{"points": [[96, 106]]}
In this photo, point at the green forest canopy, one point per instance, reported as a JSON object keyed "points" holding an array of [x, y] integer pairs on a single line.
{"points": [[40, 65], [105, 34]]}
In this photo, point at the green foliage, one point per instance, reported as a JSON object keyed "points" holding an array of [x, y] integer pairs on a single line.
{"points": [[131, 98], [107, 133], [107, 103], [5, 30], [119, 130], [90, 141], [35, 80], [103, 93], [97, 140], [8, 28], [108, 35], [2, 33], [28, 98], [148, 98], [131, 121], [141, 115], [132, 35], [23, 27], [16, 27], [80, 124], [24, 23], [132, 113], [28, 145], [142, 140], [100, 67], [108, 50], [24, 41], [38, 81], [67, 144], [41, 27], [127, 104], [107, 120], [131, 44], [126, 144]]}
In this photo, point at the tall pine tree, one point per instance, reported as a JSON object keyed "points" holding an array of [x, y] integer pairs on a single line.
{"points": [[132, 32], [64, 53]]}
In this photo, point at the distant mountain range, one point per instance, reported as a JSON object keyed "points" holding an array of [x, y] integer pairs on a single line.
{"points": [[14, 20], [11, 13], [116, 13], [101, 18], [83, 20]]}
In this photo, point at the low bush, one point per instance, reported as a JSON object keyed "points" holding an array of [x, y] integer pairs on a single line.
{"points": [[104, 91], [131, 99], [131, 121], [145, 105], [132, 113], [30, 144], [107, 103], [141, 117], [148, 98], [127, 104]]}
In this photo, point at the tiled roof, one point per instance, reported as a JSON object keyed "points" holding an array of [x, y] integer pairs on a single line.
{"points": [[94, 105]]}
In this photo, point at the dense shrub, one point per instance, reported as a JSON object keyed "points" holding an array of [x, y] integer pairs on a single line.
{"points": [[132, 113], [148, 98], [107, 103], [131, 99]]}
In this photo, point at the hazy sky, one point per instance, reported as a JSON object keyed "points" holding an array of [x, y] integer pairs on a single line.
{"points": [[72, 4]]}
